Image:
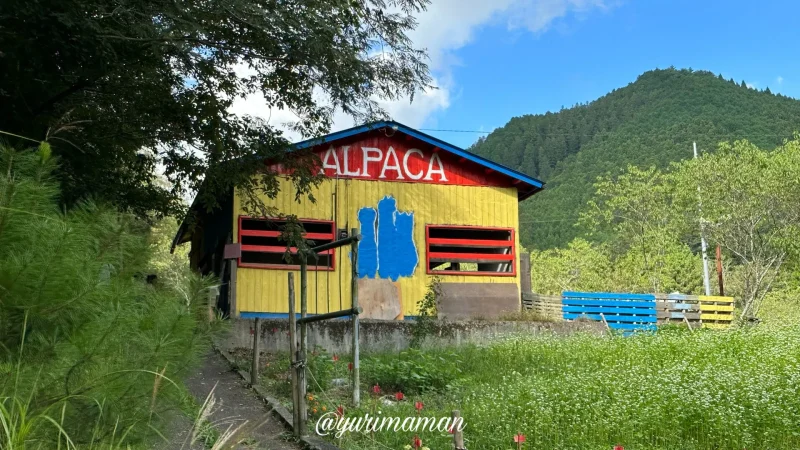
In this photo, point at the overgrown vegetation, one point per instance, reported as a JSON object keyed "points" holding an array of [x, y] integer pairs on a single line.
{"points": [[669, 390], [91, 354], [427, 313], [413, 371]]}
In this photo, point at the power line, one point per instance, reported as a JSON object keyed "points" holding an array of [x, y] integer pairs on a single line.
{"points": [[456, 131], [548, 221], [731, 134]]}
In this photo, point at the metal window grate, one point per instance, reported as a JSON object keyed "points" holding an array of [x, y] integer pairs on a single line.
{"points": [[262, 245], [469, 250]]}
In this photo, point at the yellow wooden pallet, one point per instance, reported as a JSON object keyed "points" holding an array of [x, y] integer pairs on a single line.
{"points": [[716, 311]]}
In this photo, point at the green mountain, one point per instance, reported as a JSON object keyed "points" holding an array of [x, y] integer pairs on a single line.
{"points": [[652, 121]]}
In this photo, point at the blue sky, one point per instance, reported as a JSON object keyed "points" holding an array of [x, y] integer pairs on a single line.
{"points": [[496, 59], [532, 59]]}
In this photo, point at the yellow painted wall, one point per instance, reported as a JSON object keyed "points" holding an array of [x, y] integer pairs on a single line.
{"points": [[266, 290]]}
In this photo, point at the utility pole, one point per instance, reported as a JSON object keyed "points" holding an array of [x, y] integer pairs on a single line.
{"points": [[703, 244]]}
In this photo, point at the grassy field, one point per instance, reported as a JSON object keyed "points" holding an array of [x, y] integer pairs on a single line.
{"points": [[672, 390]]}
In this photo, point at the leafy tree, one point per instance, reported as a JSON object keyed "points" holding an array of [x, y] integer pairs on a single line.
{"points": [[580, 266], [120, 87], [587, 266], [750, 208], [635, 213], [675, 268]]}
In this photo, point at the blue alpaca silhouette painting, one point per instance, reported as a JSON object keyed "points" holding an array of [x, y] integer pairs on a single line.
{"points": [[386, 249]]}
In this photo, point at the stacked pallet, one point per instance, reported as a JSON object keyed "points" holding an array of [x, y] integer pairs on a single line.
{"points": [[716, 311], [546, 306], [695, 310], [626, 312], [634, 312], [678, 308]]}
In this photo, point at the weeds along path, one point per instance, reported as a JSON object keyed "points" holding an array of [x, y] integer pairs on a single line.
{"points": [[235, 403]]}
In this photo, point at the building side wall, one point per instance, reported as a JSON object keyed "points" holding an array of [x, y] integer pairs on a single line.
{"points": [[266, 290]]}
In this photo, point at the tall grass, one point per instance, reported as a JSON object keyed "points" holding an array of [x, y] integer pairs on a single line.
{"points": [[88, 349]]}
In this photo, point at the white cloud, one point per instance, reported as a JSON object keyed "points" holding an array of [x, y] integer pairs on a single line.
{"points": [[779, 80], [537, 16], [446, 26], [753, 85]]}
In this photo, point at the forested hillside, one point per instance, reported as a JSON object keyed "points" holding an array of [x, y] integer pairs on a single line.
{"points": [[652, 121]]}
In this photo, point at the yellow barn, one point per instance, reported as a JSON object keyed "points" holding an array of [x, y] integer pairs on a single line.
{"points": [[424, 208]]}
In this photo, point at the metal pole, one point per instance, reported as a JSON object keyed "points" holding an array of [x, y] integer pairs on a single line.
{"points": [[719, 271], [293, 356], [331, 315], [337, 244], [354, 295], [703, 245], [303, 342]]}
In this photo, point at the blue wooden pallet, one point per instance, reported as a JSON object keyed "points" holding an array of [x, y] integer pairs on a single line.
{"points": [[625, 312]]}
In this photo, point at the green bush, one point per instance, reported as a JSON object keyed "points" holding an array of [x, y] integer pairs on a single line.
{"points": [[90, 350], [427, 313], [413, 371]]}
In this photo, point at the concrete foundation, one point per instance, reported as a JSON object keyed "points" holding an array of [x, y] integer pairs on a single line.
{"points": [[335, 336]]}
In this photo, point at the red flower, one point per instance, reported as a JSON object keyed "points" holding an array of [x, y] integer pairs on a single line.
{"points": [[399, 396], [339, 411], [335, 357], [619, 447], [274, 330], [519, 438], [419, 406], [350, 367], [376, 389], [416, 442]]}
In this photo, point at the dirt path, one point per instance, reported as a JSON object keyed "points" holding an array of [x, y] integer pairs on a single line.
{"points": [[235, 403]]}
